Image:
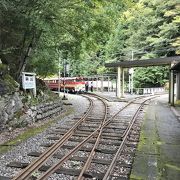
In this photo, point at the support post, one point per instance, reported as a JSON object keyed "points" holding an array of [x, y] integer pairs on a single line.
{"points": [[131, 72], [119, 82], [170, 85], [102, 83], [116, 86], [171, 88], [59, 76], [34, 89], [97, 83], [178, 86], [132, 82], [129, 85], [64, 96], [122, 88], [108, 84]]}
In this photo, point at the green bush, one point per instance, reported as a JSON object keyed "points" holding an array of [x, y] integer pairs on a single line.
{"points": [[177, 102], [3, 69], [10, 83]]}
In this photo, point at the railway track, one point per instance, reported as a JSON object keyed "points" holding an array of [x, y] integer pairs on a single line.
{"points": [[108, 142]]}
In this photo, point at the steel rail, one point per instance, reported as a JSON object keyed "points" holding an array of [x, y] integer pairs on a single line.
{"points": [[130, 102], [50, 151], [90, 157], [105, 123], [66, 157], [75, 149], [26, 173], [113, 162], [92, 153]]}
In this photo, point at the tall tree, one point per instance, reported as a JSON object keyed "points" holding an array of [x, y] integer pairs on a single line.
{"points": [[33, 31], [149, 29]]}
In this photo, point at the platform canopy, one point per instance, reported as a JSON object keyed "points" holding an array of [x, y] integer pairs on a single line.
{"points": [[145, 62], [176, 67]]}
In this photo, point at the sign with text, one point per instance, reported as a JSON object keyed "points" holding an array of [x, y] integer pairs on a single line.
{"points": [[29, 81]]}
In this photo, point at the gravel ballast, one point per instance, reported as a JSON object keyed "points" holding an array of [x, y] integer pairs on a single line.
{"points": [[34, 144], [19, 152]]}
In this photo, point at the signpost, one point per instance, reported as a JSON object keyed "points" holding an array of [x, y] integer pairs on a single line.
{"points": [[29, 81]]}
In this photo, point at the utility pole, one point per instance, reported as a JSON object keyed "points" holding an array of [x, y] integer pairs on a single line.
{"points": [[59, 76], [64, 97], [129, 85], [132, 72]]}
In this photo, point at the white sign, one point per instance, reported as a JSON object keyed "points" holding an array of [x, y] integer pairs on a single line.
{"points": [[29, 81]]}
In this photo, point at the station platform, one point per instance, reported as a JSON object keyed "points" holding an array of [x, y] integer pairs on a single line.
{"points": [[158, 152]]}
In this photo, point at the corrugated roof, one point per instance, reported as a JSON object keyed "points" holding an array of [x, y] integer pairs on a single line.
{"points": [[145, 62]]}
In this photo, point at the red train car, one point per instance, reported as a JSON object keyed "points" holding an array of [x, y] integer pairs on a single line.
{"points": [[69, 84]]}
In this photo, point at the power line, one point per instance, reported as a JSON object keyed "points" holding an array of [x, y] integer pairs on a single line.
{"points": [[137, 52]]}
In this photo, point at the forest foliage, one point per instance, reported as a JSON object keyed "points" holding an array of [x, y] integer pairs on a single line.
{"points": [[41, 35]]}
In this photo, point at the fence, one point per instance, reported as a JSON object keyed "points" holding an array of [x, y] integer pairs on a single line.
{"points": [[153, 90]]}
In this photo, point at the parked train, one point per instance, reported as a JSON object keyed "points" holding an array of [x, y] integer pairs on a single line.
{"points": [[68, 84]]}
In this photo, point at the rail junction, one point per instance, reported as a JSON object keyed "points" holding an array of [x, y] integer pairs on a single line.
{"points": [[99, 142], [98, 145]]}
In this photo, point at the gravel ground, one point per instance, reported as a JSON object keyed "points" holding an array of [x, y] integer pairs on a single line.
{"points": [[19, 153], [80, 105]]}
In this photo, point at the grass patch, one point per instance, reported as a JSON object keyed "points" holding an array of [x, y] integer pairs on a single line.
{"points": [[142, 141], [159, 143], [31, 131], [134, 177], [172, 167], [177, 103], [142, 138]]}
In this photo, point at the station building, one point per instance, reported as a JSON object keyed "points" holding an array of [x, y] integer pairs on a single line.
{"points": [[174, 78]]}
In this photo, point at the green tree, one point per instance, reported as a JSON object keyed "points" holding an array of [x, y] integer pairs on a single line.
{"points": [[150, 29], [33, 31], [150, 77]]}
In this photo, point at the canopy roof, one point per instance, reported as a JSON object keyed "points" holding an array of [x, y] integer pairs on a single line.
{"points": [[145, 62], [176, 67]]}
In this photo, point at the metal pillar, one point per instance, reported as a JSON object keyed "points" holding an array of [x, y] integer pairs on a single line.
{"points": [[34, 89], [64, 96], [119, 82], [108, 84], [102, 84], [97, 83], [129, 85], [178, 86], [122, 88], [169, 85], [116, 86], [171, 90], [59, 76], [131, 72]]}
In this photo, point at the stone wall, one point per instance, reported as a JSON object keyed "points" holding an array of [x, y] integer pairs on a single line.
{"points": [[9, 105], [45, 110], [14, 114]]}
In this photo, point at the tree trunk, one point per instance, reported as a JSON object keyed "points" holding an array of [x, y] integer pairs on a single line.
{"points": [[23, 61], [24, 58]]}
